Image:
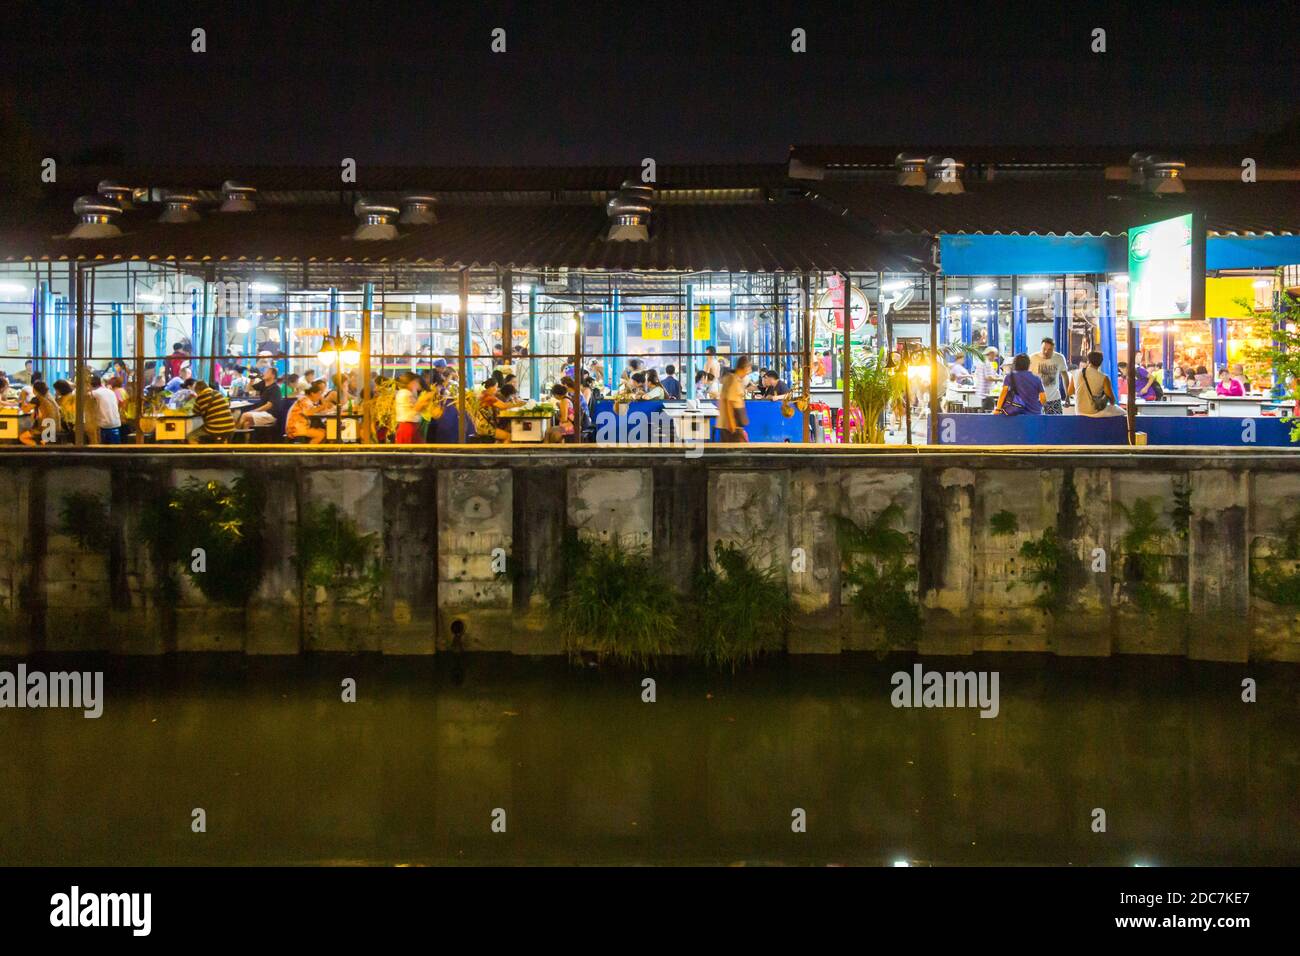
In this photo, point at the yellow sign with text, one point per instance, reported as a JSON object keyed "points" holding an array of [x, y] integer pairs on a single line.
{"points": [[663, 323]]}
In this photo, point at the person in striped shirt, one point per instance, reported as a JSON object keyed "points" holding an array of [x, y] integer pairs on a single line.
{"points": [[218, 423]]}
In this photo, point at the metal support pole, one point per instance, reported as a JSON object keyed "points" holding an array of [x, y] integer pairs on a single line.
{"points": [[806, 356], [137, 387], [776, 332], [933, 437], [367, 388], [688, 332], [78, 374], [1130, 383], [579, 333], [462, 330], [508, 320], [534, 386], [847, 361]]}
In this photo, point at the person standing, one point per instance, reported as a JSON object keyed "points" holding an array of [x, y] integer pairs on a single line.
{"points": [[108, 413], [1050, 367], [986, 380], [411, 401], [711, 364], [732, 415]]}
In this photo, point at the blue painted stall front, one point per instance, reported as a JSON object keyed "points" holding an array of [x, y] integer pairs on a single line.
{"points": [[634, 422], [1202, 431]]}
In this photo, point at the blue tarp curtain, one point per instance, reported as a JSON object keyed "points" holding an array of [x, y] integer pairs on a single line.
{"points": [[966, 332], [1108, 345], [1219, 335], [1019, 325]]}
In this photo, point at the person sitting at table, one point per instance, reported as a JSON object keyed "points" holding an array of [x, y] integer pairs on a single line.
{"points": [[654, 389], [1145, 385], [1022, 391], [564, 403], [672, 386], [7, 392], [238, 384], [1094, 394], [490, 405], [298, 426], [705, 387], [1202, 379], [65, 396], [266, 413], [218, 422], [1239, 373], [339, 391], [42, 409], [771, 387], [958, 374], [1228, 384]]}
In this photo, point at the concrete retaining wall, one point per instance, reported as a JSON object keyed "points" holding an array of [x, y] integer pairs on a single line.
{"points": [[442, 519]]}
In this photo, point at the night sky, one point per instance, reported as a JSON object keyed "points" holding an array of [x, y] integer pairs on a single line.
{"points": [[392, 84]]}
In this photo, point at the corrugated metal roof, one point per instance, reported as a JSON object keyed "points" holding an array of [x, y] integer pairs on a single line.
{"points": [[1282, 152], [779, 236], [371, 179], [1061, 207]]}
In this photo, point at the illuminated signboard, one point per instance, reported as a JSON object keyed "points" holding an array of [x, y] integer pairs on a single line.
{"points": [[663, 323], [1166, 271]]}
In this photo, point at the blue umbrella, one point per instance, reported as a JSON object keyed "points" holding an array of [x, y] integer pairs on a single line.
{"points": [[943, 325], [1019, 325], [994, 321], [1106, 328]]}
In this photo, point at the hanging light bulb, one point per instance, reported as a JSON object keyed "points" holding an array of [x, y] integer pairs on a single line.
{"points": [[328, 351], [242, 326], [408, 327], [350, 352]]}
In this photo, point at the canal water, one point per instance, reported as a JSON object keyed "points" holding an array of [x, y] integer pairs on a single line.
{"points": [[580, 769]]}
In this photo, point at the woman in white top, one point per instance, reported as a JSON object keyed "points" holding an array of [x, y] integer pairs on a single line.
{"points": [[654, 390]]}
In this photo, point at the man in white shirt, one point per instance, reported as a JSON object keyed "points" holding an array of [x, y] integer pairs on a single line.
{"points": [[107, 412], [1049, 365]]}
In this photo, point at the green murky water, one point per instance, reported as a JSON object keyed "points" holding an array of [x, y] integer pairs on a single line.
{"points": [[710, 773]]}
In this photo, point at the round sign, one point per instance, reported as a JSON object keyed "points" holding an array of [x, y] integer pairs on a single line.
{"points": [[829, 309]]}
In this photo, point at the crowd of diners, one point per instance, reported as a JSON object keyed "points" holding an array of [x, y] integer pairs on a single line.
{"points": [[410, 407], [1042, 383]]}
